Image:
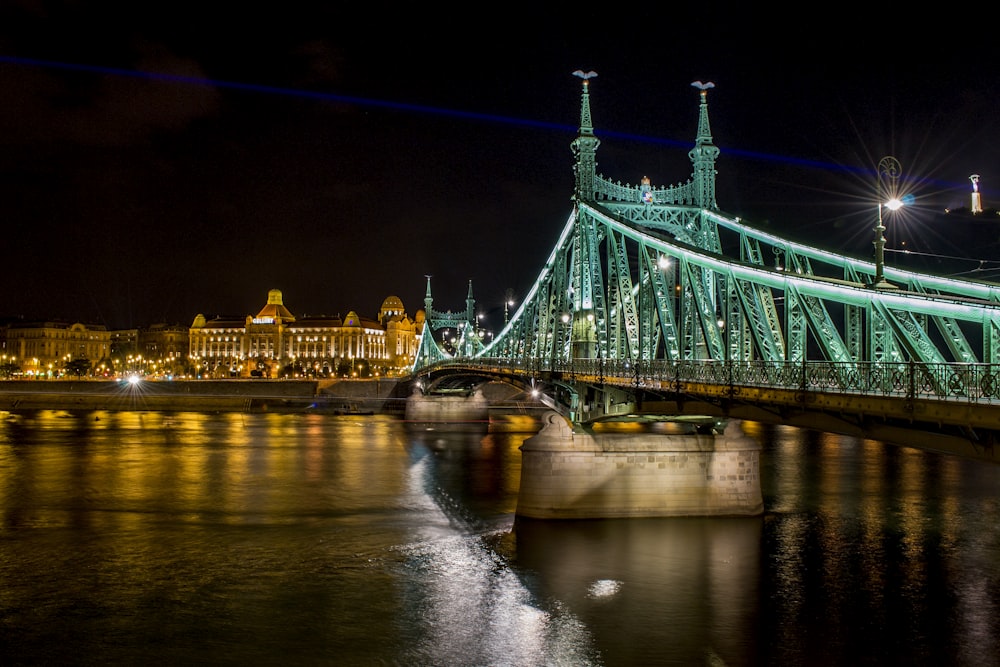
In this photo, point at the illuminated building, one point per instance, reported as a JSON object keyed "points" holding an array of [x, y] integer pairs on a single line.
{"points": [[275, 343], [43, 348], [165, 348]]}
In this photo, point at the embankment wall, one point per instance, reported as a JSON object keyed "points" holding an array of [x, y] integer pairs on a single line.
{"points": [[368, 395]]}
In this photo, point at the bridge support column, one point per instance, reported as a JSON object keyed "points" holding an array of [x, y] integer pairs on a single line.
{"points": [[567, 475], [447, 411]]}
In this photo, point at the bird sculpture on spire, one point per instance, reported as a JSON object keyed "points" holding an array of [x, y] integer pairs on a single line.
{"points": [[585, 75]]}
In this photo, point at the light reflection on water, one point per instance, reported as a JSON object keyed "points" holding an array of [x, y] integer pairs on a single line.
{"points": [[690, 584], [311, 539], [476, 609]]}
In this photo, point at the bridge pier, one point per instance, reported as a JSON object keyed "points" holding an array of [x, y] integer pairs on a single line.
{"points": [[571, 475], [439, 411]]}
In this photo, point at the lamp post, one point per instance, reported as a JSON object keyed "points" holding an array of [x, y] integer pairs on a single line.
{"points": [[888, 174], [720, 321], [726, 357], [508, 301], [563, 331]]}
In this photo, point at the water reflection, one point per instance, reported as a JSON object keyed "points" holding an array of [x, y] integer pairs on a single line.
{"points": [[868, 546], [691, 584], [474, 469], [475, 608]]}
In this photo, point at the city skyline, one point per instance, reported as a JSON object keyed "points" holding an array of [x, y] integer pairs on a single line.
{"points": [[157, 169]]}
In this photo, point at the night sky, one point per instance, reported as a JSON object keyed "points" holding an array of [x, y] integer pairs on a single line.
{"points": [[172, 160]]}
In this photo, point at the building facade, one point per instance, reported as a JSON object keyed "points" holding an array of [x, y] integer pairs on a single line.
{"points": [[42, 349], [163, 349], [275, 343]]}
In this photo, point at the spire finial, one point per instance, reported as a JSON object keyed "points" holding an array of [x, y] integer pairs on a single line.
{"points": [[586, 124]]}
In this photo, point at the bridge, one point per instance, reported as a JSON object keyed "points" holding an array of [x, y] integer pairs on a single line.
{"points": [[655, 303]]}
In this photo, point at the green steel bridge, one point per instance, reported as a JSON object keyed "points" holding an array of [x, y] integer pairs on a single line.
{"points": [[655, 303]]}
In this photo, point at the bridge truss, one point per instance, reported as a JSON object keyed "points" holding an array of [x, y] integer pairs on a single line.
{"points": [[615, 287]]}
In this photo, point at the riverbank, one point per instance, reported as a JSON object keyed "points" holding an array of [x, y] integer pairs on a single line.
{"points": [[509, 410], [368, 396]]}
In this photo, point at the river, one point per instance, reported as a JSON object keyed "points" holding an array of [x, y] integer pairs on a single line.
{"points": [[301, 539]]}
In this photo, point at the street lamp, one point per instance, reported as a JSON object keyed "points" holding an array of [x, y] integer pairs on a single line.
{"points": [[508, 301], [721, 323], [559, 344], [888, 174]]}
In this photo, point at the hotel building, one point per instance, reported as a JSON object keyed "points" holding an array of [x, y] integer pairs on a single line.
{"points": [[275, 343]]}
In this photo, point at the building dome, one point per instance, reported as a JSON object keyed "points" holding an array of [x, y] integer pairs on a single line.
{"points": [[392, 305], [275, 311]]}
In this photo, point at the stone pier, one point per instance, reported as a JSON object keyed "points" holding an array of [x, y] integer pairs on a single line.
{"points": [[443, 410], [568, 475]]}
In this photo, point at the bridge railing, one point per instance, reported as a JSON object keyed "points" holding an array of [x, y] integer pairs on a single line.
{"points": [[961, 382]]}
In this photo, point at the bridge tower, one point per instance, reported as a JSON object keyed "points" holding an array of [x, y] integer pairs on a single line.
{"points": [[468, 340], [595, 307], [704, 154], [585, 145], [591, 187]]}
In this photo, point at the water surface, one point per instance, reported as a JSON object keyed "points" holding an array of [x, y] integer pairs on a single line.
{"points": [[151, 538]]}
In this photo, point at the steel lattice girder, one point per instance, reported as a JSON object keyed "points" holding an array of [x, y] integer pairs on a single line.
{"points": [[642, 310]]}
